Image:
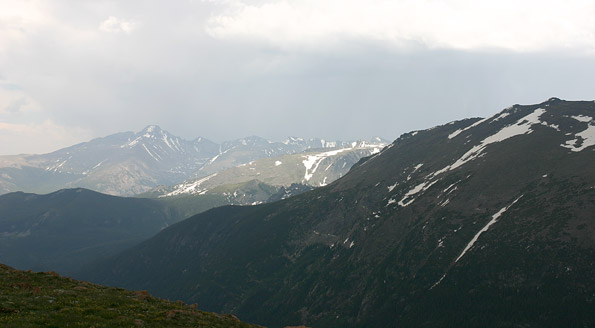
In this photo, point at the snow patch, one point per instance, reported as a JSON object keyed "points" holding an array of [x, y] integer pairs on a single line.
{"points": [[191, 187], [277, 163], [98, 164], [147, 149], [439, 281], [553, 126], [312, 161], [415, 168], [57, 166], [452, 185], [166, 141], [130, 144], [217, 156], [587, 136], [390, 188], [522, 126], [501, 116], [582, 118], [414, 191], [459, 131], [486, 227]]}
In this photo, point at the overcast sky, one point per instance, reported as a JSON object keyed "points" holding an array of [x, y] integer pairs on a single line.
{"points": [[223, 69]]}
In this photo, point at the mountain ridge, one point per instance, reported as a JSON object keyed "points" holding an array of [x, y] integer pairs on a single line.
{"points": [[280, 171], [490, 227], [130, 163], [63, 230]]}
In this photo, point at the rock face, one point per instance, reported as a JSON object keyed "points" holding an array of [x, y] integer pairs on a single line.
{"points": [[130, 163], [473, 223], [314, 168], [121, 164]]}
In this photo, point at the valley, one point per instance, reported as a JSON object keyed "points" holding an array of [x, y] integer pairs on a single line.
{"points": [[478, 222]]}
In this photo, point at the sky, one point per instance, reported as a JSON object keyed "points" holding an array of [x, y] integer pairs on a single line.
{"points": [[72, 70]]}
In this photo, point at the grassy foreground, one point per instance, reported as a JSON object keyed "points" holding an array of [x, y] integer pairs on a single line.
{"points": [[45, 299]]}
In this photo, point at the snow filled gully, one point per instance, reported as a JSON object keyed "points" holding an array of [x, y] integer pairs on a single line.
{"points": [[494, 219]]}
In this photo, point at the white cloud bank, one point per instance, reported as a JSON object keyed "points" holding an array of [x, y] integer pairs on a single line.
{"points": [[520, 26], [116, 25], [110, 66], [35, 138], [15, 102]]}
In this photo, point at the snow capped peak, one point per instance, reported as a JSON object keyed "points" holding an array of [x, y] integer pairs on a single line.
{"points": [[151, 129], [293, 140], [247, 141], [148, 132], [157, 140]]}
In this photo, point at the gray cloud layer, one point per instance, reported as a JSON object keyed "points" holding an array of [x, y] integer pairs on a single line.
{"points": [[87, 68]]}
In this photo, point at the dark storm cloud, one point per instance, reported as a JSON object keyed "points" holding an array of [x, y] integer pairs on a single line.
{"points": [[93, 68]]}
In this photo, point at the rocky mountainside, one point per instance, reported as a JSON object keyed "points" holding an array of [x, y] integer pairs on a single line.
{"points": [[121, 164], [480, 222], [242, 151], [130, 163], [316, 167]]}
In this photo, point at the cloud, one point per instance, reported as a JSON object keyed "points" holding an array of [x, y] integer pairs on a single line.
{"points": [[38, 138], [14, 101], [17, 18], [520, 26], [115, 25], [224, 69]]}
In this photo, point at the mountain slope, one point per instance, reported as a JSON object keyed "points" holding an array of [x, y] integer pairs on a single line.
{"points": [[121, 164], [131, 163], [316, 167], [44, 299], [473, 223], [64, 230], [237, 152]]}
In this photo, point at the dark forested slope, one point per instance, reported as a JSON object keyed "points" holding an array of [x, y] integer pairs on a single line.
{"points": [[474, 223]]}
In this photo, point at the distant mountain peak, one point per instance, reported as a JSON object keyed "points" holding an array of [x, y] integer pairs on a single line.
{"points": [[153, 132], [492, 217], [131, 162], [151, 129], [292, 140]]}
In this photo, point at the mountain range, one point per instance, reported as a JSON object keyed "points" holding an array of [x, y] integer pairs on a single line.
{"points": [[479, 222], [65, 230], [130, 163], [313, 167]]}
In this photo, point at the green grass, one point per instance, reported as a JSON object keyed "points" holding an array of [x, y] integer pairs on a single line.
{"points": [[45, 299]]}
